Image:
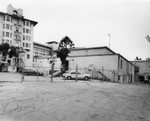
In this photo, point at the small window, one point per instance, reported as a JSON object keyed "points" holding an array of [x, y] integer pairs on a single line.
{"points": [[3, 34], [26, 44], [7, 34], [28, 56], [7, 26], [23, 37], [23, 30], [10, 34], [8, 18], [121, 64], [3, 26], [4, 18]]}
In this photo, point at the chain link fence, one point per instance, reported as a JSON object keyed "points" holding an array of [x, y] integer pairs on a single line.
{"points": [[39, 73]]}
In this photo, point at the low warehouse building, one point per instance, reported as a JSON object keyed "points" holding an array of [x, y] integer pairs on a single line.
{"points": [[102, 63]]}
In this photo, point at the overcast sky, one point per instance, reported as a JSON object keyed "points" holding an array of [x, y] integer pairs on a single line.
{"points": [[88, 23]]}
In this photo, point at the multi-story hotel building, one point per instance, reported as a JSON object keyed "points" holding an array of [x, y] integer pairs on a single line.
{"points": [[16, 30]]}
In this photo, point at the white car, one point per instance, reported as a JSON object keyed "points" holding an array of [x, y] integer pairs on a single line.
{"points": [[74, 75]]}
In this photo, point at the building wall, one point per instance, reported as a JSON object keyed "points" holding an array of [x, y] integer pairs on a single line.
{"points": [[100, 63], [1, 28], [144, 66], [125, 70], [113, 66]]}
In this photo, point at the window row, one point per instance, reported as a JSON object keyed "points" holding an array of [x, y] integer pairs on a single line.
{"points": [[26, 45], [26, 38], [7, 26], [7, 41], [9, 19], [28, 31], [27, 23], [7, 34]]}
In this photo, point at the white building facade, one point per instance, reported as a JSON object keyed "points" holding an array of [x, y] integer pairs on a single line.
{"points": [[17, 31]]}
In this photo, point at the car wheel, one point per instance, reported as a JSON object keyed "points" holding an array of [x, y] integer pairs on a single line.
{"points": [[86, 78], [69, 77]]}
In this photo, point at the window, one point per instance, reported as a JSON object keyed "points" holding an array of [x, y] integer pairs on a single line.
{"points": [[27, 30], [27, 23], [29, 38], [23, 37], [23, 44], [7, 26], [3, 34], [28, 56], [3, 26], [10, 34], [3, 40], [4, 18], [23, 30], [7, 34], [121, 64], [10, 27], [24, 23], [8, 18]]}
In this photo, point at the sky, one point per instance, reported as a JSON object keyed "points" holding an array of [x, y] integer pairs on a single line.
{"points": [[88, 23]]}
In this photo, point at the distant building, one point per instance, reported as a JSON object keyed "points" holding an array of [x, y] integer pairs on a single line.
{"points": [[142, 70], [53, 44], [102, 62], [17, 31], [42, 58]]}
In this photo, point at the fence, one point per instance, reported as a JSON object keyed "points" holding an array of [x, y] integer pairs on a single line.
{"points": [[40, 73]]}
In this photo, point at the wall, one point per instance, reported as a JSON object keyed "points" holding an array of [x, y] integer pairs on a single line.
{"points": [[125, 70], [105, 62], [144, 66], [1, 28]]}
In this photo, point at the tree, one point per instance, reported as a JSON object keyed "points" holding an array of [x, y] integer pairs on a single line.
{"points": [[63, 50], [65, 42], [6, 50]]}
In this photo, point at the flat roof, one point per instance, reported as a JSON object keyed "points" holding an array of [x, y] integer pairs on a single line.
{"points": [[91, 48], [42, 45]]}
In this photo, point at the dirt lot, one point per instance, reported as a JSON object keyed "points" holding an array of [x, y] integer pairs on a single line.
{"points": [[74, 101]]}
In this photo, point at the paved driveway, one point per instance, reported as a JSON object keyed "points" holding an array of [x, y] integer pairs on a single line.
{"points": [[71, 101]]}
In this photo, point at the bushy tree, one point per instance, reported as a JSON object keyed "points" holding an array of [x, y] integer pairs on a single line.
{"points": [[6, 50]]}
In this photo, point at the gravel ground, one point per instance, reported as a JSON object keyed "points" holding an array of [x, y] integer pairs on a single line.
{"points": [[74, 101]]}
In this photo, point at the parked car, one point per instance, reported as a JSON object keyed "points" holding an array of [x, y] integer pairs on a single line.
{"points": [[78, 75], [31, 72]]}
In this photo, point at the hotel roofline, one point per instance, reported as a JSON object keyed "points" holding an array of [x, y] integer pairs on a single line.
{"points": [[17, 17]]}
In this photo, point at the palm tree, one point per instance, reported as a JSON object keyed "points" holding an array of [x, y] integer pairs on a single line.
{"points": [[65, 42], [63, 50]]}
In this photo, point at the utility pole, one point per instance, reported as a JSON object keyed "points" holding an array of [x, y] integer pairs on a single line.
{"points": [[109, 40]]}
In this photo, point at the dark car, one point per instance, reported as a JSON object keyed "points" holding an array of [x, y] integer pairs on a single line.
{"points": [[31, 72]]}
